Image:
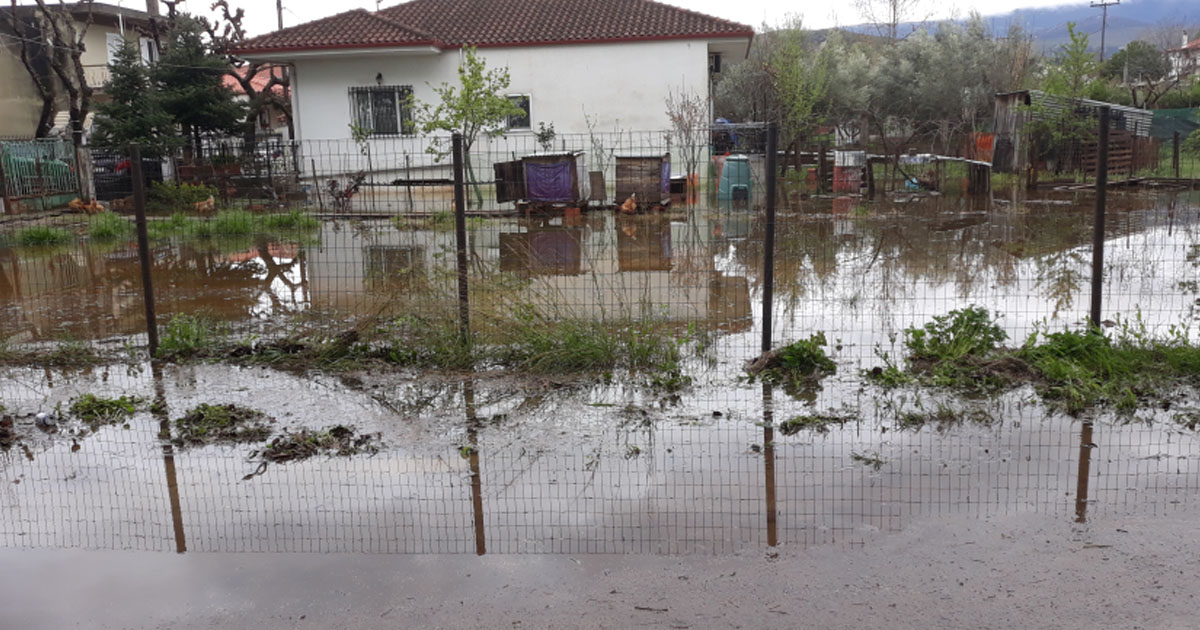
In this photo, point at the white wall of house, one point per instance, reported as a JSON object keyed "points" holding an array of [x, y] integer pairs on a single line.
{"points": [[620, 85]]}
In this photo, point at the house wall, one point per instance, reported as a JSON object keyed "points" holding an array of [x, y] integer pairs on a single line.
{"points": [[19, 100], [620, 85]]}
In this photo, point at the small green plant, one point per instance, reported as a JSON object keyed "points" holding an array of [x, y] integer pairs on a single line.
{"points": [[179, 224], [964, 332], [221, 424], [187, 335], [95, 410], [109, 226], [40, 235]]}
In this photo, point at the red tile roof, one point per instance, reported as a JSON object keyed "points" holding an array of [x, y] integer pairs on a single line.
{"points": [[352, 29], [487, 23]]}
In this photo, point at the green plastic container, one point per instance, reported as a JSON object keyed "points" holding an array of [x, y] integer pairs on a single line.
{"points": [[734, 189]]}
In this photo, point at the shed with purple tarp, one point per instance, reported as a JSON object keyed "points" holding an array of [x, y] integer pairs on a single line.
{"points": [[556, 177]]}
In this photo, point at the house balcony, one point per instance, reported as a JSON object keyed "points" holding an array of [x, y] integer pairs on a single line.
{"points": [[96, 75]]}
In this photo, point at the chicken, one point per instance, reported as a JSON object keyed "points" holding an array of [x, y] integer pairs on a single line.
{"points": [[630, 205], [91, 207], [205, 207]]}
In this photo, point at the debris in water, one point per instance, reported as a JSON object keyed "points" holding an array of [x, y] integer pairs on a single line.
{"points": [[339, 440]]}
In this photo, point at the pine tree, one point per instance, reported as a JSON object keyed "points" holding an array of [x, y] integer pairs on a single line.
{"points": [[134, 114], [190, 77]]}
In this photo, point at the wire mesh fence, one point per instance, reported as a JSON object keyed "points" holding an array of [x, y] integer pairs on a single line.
{"points": [[634, 256]]}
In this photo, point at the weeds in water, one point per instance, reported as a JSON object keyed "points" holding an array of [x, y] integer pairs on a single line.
{"points": [[339, 440], [40, 235], [96, 411], [187, 335], [221, 424], [109, 226], [818, 422], [796, 366], [868, 458], [71, 354]]}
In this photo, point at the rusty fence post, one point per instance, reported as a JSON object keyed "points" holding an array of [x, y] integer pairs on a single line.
{"points": [[768, 296], [143, 240], [1098, 224], [460, 238]]}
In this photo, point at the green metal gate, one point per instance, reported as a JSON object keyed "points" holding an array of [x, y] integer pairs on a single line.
{"points": [[38, 174]]}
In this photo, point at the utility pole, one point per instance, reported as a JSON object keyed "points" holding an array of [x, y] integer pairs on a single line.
{"points": [[279, 12], [1103, 21]]}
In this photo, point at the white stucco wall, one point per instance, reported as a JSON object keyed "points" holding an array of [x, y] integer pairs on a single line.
{"points": [[620, 85]]}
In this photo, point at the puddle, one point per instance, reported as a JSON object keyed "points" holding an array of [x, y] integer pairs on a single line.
{"points": [[502, 465]]}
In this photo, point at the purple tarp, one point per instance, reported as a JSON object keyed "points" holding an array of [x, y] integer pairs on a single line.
{"points": [[549, 182]]}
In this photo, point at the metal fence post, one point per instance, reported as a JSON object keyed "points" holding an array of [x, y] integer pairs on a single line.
{"points": [[1098, 224], [769, 241], [1175, 155], [139, 208], [460, 238]]}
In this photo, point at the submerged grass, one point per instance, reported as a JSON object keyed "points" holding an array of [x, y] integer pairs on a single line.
{"points": [[338, 440], [221, 424], [96, 410], [109, 226], [40, 235], [796, 366]]}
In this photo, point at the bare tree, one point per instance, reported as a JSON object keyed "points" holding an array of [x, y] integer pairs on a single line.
{"points": [[225, 35], [33, 45], [66, 40], [887, 15], [689, 125]]}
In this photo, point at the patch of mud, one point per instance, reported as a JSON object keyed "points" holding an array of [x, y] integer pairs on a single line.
{"points": [[8, 435], [221, 424], [819, 422], [338, 440]]}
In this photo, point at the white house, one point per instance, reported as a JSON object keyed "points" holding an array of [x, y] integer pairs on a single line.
{"points": [[1185, 60], [611, 61]]}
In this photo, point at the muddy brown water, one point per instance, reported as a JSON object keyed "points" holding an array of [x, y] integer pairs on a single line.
{"points": [[499, 464]]}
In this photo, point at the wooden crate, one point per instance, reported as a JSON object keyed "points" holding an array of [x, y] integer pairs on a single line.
{"points": [[647, 176]]}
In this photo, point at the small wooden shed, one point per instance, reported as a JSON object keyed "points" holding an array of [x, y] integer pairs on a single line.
{"points": [[556, 178], [647, 176]]}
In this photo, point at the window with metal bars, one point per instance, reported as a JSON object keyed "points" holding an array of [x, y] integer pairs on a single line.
{"points": [[385, 110]]}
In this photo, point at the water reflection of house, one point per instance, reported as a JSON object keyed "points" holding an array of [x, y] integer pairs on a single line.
{"points": [[543, 251]]}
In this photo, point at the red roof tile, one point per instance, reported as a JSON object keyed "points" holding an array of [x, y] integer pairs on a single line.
{"points": [[352, 29], [484, 23]]}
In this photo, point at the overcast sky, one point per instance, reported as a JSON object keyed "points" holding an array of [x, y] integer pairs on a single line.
{"points": [[260, 14]]}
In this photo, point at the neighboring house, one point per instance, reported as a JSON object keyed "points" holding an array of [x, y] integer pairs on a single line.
{"points": [[20, 103], [1185, 60], [271, 122], [612, 62]]}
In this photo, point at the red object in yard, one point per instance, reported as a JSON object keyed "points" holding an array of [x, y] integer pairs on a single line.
{"points": [[843, 205]]}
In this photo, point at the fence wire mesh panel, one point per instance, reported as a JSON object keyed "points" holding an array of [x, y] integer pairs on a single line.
{"points": [[314, 388]]}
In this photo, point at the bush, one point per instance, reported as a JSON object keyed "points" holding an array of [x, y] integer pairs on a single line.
{"points": [[1191, 144], [108, 226], [186, 335], [233, 222], [169, 196]]}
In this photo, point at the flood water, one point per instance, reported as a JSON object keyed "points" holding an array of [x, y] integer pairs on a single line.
{"points": [[501, 464]]}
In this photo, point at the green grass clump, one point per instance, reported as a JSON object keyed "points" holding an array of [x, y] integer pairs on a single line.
{"points": [[109, 226], [965, 332], [221, 424], [187, 335], [43, 235], [797, 365], [294, 220], [545, 345], [180, 224], [232, 222], [96, 410]]}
